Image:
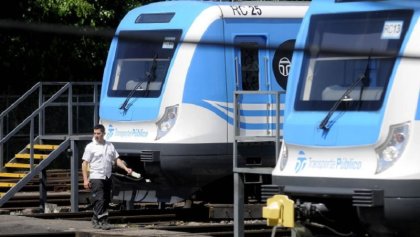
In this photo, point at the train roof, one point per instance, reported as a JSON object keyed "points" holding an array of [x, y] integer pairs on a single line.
{"points": [[181, 14], [336, 6]]}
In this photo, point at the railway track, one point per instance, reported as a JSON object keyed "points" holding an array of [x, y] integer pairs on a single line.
{"points": [[201, 220], [195, 221]]}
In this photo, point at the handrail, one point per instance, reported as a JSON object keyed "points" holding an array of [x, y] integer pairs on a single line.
{"points": [[52, 101], [35, 113], [75, 83], [22, 98], [237, 121], [36, 170]]}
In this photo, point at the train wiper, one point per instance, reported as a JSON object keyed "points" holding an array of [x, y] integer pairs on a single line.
{"points": [[365, 81], [150, 75], [345, 97]]}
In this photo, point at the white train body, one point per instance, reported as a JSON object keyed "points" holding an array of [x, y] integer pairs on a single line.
{"points": [[167, 96]]}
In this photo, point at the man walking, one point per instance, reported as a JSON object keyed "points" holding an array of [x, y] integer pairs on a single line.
{"points": [[99, 156]]}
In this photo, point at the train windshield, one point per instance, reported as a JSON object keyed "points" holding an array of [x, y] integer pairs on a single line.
{"points": [[141, 63], [352, 50]]}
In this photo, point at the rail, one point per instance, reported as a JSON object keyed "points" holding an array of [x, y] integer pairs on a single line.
{"points": [[269, 136], [40, 111]]}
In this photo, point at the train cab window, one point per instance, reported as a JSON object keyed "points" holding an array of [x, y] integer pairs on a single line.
{"points": [[350, 58], [141, 62], [249, 68]]}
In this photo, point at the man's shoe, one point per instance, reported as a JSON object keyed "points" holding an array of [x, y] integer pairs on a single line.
{"points": [[95, 223], [104, 225]]}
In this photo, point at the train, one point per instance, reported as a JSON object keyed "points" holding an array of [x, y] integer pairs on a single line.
{"points": [[167, 90], [351, 127]]}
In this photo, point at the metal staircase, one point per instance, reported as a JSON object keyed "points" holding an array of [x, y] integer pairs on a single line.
{"points": [[41, 149], [25, 166]]}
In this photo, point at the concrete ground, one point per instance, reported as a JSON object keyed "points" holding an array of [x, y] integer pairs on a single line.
{"points": [[11, 225]]}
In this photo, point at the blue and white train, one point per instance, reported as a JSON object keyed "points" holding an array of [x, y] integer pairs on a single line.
{"points": [[167, 92], [352, 115]]}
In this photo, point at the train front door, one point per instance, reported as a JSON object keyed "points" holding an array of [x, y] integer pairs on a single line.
{"points": [[252, 73]]}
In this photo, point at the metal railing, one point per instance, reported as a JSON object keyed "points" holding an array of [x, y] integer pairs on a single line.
{"points": [[39, 113], [239, 172], [270, 136]]}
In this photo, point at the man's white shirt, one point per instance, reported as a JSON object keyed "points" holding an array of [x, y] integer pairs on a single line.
{"points": [[101, 158]]}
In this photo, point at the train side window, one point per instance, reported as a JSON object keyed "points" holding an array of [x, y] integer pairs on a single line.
{"points": [[249, 68]]}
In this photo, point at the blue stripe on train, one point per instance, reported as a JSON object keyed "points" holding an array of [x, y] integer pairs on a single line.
{"points": [[249, 112], [260, 126], [246, 113], [418, 108]]}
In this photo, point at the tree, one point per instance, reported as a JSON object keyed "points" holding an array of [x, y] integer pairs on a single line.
{"points": [[29, 55]]}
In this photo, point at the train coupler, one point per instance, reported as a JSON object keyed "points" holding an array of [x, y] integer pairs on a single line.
{"points": [[279, 211], [284, 212]]}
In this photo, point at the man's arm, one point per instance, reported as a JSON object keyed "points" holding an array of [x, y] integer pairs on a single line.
{"points": [[120, 163], [86, 182]]}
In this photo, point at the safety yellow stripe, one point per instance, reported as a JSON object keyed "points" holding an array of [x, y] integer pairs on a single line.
{"points": [[12, 175], [7, 185], [17, 165], [43, 147], [27, 156]]}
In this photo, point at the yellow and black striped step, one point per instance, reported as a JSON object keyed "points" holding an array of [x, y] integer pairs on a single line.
{"points": [[28, 156], [17, 165], [12, 175], [43, 147], [6, 185]]}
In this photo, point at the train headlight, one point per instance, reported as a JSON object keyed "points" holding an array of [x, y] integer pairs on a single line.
{"points": [[283, 156], [390, 151], [167, 121]]}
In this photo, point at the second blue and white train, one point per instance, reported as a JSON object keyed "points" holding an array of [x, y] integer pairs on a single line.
{"points": [[351, 124]]}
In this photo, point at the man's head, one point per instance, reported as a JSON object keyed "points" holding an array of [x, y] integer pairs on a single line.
{"points": [[99, 133]]}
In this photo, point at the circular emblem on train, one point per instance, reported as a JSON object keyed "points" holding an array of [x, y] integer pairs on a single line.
{"points": [[284, 66], [282, 61]]}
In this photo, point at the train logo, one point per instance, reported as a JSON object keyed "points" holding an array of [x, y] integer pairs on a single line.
{"points": [[284, 66], [110, 132], [282, 62], [301, 162]]}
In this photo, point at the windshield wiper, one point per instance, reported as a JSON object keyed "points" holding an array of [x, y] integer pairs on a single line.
{"points": [[365, 81], [345, 97], [150, 75]]}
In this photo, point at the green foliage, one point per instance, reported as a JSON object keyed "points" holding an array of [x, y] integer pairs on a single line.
{"points": [[32, 56], [80, 8]]}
